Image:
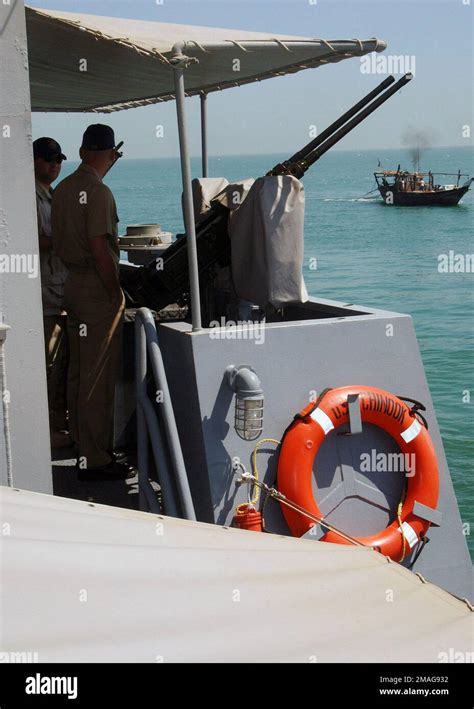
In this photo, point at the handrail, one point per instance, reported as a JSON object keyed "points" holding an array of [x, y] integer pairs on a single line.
{"points": [[147, 428], [146, 342], [204, 150], [179, 63]]}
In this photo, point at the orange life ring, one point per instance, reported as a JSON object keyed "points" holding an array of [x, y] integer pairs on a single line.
{"points": [[304, 437]]}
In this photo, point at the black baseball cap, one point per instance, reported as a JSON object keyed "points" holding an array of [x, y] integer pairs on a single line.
{"points": [[47, 148], [98, 137]]}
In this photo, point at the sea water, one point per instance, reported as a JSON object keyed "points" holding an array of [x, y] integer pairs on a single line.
{"points": [[358, 250]]}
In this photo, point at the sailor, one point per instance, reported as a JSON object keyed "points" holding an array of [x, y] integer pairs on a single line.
{"points": [[84, 221], [48, 158]]}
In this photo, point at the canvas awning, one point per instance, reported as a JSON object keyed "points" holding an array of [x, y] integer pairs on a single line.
{"points": [[161, 586], [94, 63]]}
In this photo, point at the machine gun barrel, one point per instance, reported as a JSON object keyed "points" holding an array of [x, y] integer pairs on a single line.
{"points": [[308, 155], [339, 134], [284, 168]]}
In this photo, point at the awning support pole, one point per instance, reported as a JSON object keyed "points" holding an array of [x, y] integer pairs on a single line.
{"points": [[179, 62], [205, 160]]}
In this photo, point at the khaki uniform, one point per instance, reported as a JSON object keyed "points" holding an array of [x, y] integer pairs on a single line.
{"points": [[53, 278], [84, 208]]}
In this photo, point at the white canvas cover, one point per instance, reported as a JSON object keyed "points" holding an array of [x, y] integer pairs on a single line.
{"points": [[90, 583], [204, 190], [234, 193], [267, 238], [128, 61]]}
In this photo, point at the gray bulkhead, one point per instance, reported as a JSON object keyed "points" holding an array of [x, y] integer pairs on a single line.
{"points": [[20, 292], [321, 344]]}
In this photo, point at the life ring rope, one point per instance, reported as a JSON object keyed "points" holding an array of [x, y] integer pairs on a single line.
{"points": [[272, 492], [254, 491], [416, 408]]}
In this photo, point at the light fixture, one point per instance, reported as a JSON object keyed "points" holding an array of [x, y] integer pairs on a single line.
{"points": [[249, 398]]}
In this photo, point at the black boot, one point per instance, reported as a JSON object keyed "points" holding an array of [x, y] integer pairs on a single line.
{"points": [[112, 471]]}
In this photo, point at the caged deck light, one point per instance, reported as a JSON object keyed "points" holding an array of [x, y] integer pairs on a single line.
{"points": [[249, 398]]}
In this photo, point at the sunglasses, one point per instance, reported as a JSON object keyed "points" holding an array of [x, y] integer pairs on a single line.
{"points": [[57, 158]]}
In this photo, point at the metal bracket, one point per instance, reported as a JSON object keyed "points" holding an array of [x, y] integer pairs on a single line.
{"points": [[180, 60], [428, 513], [355, 417], [315, 533]]}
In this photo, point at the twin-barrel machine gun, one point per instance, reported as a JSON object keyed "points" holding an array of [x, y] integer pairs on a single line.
{"points": [[166, 281]]}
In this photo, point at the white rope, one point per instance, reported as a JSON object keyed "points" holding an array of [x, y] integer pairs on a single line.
{"points": [[282, 44]]}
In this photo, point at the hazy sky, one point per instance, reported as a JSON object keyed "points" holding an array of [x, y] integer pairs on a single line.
{"points": [[274, 116]]}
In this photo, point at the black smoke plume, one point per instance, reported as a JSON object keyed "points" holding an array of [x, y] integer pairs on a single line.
{"points": [[417, 141]]}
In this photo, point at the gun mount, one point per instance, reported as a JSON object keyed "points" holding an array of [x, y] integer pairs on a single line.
{"points": [[165, 280]]}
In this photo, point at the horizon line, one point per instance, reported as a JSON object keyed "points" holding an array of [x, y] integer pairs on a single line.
{"points": [[239, 155]]}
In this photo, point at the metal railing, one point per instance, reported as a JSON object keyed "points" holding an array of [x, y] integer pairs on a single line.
{"points": [[174, 483], [180, 62]]}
